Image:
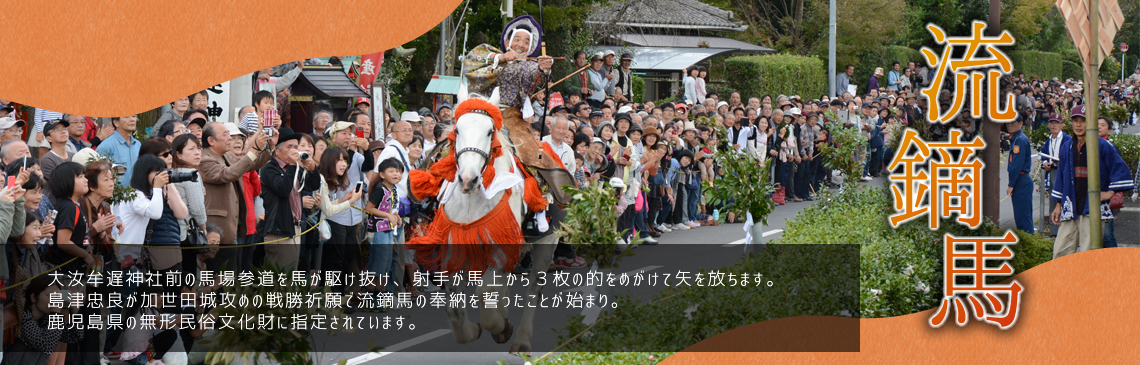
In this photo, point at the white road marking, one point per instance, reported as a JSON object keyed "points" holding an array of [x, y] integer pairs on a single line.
{"points": [[741, 241], [397, 347], [632, 272]]}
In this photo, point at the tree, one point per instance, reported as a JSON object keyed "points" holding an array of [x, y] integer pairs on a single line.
{"points": [[1023, 18]]}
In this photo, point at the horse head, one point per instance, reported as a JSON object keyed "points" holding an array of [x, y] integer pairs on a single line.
{"points": [[474, 134]]}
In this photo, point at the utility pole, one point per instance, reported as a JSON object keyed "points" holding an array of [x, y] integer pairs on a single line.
{"points": [[508, 11], [991, 135], [441, 58], [831, 50], [1092, 87]]}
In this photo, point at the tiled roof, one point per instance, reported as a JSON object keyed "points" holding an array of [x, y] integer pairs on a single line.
{"points": [[659, 40], [678, 14]]}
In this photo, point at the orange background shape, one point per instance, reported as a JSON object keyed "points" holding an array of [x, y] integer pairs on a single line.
{"points": [[1080, 307], [118, 57]]}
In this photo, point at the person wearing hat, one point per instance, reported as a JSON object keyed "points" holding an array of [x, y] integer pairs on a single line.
{"points": [[512, 68], [625, 76], [600, 84], [597, 118], [219, 170], [599, 164], [444, 113], [195, 121], [280, 180], [1070, 190], [10, 128], [56, 133], [608, 58], [873, 83], [682, 111], [375, 147], [1020, 183], [363, 104]]}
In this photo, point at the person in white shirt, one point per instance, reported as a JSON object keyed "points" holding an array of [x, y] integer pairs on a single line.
{"points": [[557, 140], [397, 148]]}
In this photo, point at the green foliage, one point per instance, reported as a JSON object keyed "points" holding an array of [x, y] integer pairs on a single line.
{"points": [[591, 225], [638, 89], [1071, 55], [1071, 70], [1114, 112], [1031, 250], [1053, 36], [288, 347], [903, 55], [900, 269], [393, 72], [1039, 65], [1110, 69], [745, 183], [777, 74], [842, 153], [1129, 147], [807, 281]]}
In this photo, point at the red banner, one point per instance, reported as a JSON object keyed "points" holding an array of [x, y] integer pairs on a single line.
{"points": [[369, 66]]}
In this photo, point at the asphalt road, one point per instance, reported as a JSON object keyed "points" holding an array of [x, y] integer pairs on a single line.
{"points": [[432, 341]]}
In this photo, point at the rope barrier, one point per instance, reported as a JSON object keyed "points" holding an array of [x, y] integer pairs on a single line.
{"points": [[227, 246], [164, 248], [40, 274]]}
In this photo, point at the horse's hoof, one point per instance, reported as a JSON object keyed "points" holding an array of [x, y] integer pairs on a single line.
{"points": [[520, 348], [504, 336]]}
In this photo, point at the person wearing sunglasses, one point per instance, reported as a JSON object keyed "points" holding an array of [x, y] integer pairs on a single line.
{"points": [[157, 147]]}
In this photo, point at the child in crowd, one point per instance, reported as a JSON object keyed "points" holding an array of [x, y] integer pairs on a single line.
{"points": [[382, 205]]}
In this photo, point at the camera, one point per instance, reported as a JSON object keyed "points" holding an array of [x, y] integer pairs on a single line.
{"points": [[304, 155], [177, 177]]}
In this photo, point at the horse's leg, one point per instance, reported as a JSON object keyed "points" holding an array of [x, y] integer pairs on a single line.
{"points": [[542, 254], [462, 329], [495, 320]]}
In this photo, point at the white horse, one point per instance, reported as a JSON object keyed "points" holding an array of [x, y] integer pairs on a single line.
{"points": [[466, 204]]}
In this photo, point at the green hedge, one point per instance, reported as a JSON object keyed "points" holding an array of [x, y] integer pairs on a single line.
{"points": [[1071, 70], [1040, 65], [1071, 55], [1129, 147], [870, 59], [900, 268], [776, 75], [638, 89]]}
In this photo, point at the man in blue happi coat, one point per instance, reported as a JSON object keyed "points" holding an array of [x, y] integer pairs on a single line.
{"points": [[1070, 190]]}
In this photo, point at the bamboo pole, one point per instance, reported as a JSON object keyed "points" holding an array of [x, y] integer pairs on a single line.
{"points": [[1092, 86]]}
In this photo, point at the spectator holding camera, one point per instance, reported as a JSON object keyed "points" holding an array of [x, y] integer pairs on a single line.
{"points": [[281, 183], [186, 153], [221, 176]]}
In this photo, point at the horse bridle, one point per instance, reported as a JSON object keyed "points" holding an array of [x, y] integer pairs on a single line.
{"points": [[486, 155]]}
